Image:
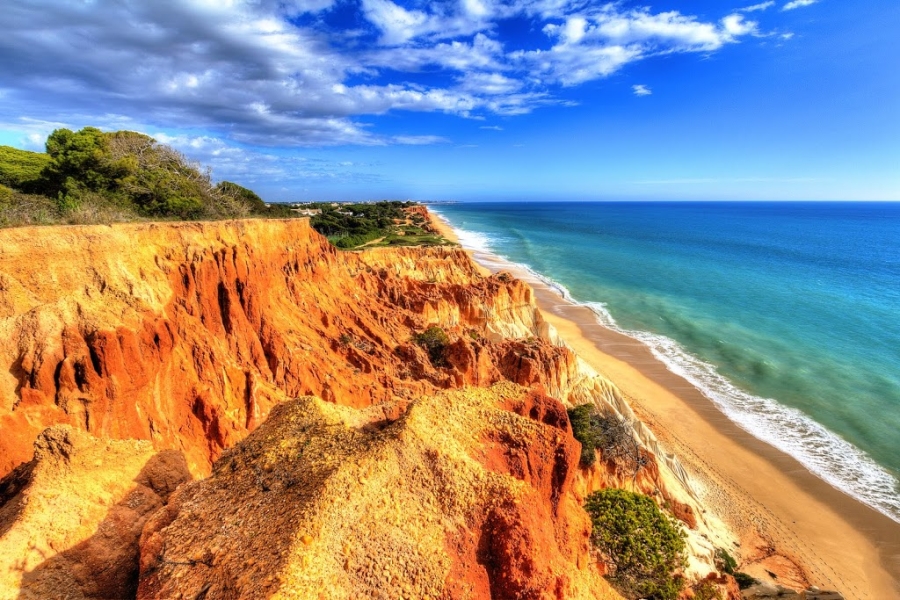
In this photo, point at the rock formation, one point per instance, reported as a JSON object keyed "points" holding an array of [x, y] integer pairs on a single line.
{"points": [[464, 494], [71, 518], [187, 336]]}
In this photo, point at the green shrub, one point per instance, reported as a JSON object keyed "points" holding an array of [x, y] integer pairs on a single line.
{"points": [[19, 169], [643, 546], [608, 433], [349, 225], [744, 581], [725, 562], [584, 420], [249, 197], [346, 242], [707, 590], [435, 342], [18, 209], [6, 194]]}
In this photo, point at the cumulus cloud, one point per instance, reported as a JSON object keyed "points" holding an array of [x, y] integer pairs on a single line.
{"points": [[480, 54], [275, 73], [597, 43], [641, 90], [798, 4]]}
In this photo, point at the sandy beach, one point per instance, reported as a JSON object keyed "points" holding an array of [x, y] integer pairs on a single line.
{"points": [[769, 499]]}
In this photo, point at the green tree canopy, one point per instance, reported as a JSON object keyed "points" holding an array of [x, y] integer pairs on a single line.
{"points": [[94, 176], [20, 169], [644, 546]]}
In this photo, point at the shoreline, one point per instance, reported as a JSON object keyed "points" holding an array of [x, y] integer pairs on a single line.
{"points": [[839, 542]]}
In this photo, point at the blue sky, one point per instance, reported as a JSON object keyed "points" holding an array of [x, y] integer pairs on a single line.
{"points": [[478, 99]]}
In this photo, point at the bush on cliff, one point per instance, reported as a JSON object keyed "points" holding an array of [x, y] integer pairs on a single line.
{"points": [[585, 428], [643, 547], [95, 176], [435, 342], [17, 208], [744, 580], [607, 433], [725, 562]]}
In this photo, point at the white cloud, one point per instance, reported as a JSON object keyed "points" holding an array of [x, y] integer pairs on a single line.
{"points": [[641, 90], [419, 140], [599, 43], [669, 29], [491, 84], [760, 6], [736, 26], [491, 127], [481, 53], [247, 71], [397, 24], [798, 4]]}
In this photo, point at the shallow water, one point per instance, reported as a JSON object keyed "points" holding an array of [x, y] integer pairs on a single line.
{"points": [[787, 315]]}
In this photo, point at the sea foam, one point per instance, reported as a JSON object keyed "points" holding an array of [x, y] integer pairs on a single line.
{"points": [[824, 453]]}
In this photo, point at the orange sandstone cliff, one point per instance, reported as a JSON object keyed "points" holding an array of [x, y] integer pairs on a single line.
{"points": [[152, 351]]}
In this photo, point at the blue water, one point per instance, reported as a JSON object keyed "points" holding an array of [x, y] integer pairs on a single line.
{"points": [[787, 315]]}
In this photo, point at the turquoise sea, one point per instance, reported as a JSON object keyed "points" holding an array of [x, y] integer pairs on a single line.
{"points": [[786, 315]]}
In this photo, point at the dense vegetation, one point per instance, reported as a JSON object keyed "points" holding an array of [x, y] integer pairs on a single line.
{"points": [[20, 168], [644, 547], [385, 223], [91, 176]]}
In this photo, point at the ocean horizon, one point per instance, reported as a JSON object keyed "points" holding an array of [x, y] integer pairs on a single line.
{"points": [[784, 314]]}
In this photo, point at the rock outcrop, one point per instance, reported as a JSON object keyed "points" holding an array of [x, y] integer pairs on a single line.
{"points": [[464, 494], [71, 518]]}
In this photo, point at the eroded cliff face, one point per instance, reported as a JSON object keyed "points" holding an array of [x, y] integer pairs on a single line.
{"points": [[187, 335], [466, 494]]}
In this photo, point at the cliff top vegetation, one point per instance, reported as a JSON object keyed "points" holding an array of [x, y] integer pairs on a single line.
{"points": [[91, 176], [373, 224]]}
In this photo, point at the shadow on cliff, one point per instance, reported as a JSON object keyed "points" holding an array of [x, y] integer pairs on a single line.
{"points": [[106, 565], [10, 486]]}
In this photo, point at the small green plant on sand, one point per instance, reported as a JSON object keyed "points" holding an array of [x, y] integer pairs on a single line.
{"points": [[643, 547], [725, 562], [744, 581]]}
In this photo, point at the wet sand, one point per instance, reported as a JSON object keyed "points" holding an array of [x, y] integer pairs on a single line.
{"points": [[767, 497]]}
